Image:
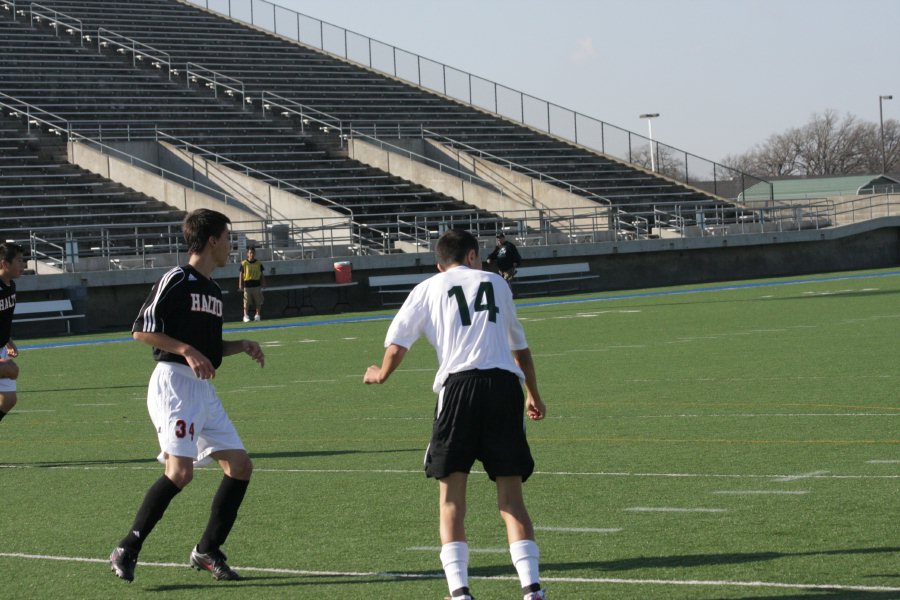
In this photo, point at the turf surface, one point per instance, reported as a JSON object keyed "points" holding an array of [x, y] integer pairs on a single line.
{"points": [[701, 443]]}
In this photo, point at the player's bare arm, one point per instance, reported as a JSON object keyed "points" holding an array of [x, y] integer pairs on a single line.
{"points": [[393, 356], [199, 364], [8, 369], [534, 406], [248, 347]]}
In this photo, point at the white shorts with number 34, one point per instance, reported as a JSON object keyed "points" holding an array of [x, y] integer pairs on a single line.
{"points": [[6, 385], [189, 418]]}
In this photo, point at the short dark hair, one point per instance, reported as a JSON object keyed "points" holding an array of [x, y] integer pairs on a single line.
{"points": [[453, 246], [201, 224], [10, 250]]}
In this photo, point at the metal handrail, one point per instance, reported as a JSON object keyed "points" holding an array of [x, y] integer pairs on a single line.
{"points": [[548, 117], [33, 119], [307, 114], [215, 80], [139, 50], [287, 107], [516, 166], [228, 199], [279, 183], [55, 21]]}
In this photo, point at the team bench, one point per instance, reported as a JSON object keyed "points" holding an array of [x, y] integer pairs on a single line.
{"points": [[544, 278], [298, 298], [393, 289], [46, 310]]}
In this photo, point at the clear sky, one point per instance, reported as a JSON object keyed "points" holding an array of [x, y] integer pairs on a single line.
{"points": [[723, 74]]}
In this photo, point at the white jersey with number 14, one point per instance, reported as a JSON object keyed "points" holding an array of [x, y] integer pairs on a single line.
{"points": [[468, 316]]}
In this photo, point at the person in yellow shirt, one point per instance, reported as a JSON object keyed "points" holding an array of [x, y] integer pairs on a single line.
{"points": [[252, 281]]}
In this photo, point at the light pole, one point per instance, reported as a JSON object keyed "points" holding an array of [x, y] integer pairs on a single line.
{"points": [[650, 117], [881, 120]]}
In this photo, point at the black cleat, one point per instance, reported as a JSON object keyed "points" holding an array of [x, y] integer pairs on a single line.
{"points": [[214, 562], [122, 562]]}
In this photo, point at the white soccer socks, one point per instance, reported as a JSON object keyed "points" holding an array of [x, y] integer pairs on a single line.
{"points": [[455, 558], [525, 556]]}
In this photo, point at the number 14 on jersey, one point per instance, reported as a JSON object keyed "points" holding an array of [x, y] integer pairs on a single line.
{"points": [[484, 300]]}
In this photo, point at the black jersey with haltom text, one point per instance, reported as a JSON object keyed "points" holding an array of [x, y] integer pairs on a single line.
{"points": [[7, 307], [187, 306]]}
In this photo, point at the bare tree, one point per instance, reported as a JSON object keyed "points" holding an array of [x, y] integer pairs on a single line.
{"points": [[667, 161], [826, 145]]}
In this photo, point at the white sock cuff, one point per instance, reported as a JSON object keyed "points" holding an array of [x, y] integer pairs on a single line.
{"points": [[454, 552], [523, 549]]}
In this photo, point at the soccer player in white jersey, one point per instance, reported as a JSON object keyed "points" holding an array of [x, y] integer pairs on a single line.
{"points": [[182, 321], [469, 317]]}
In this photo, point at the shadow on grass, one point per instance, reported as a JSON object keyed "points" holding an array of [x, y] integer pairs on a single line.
{"points": [[104, 388], [831, 595], [270, 581], [680, 561], [153, 461], [702, 560], [303, 454]]}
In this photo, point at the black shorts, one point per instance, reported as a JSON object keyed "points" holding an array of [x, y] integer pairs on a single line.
{"points": [[480, 416]]}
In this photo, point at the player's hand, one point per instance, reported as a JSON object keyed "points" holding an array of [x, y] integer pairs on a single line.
{"points": [[11, 349], [372, 375], [8, 369], [199, 364], [254, 351], [535, 408]]}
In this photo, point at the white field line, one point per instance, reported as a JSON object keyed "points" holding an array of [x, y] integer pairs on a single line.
{"points": [[597, 580], [883, 462], [670, 509], [761, 492], [579, 529], [788, 478], [471, 550], [474, 472], [754, 415]]}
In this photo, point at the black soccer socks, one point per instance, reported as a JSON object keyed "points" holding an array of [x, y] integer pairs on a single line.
{"points": [[156, 501], [223, 513]]}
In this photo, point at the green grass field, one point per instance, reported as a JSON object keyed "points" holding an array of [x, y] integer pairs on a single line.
{"points": [[740, 443]]}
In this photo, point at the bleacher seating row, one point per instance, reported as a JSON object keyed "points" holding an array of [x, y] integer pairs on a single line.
{"points": [[103, 95], [359, 96], [40, 189]]}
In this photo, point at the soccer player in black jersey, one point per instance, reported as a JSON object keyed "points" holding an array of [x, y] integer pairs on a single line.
{"points": [[182, 321], [12, 264]]}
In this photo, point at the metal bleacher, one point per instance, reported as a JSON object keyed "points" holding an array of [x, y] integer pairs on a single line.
{"points": [[371, 102], [107, 98], [40, 190]]}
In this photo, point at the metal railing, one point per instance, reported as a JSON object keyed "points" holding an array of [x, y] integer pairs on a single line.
{"points": [[483, 94], [250, 171], [35, 116], [285, 107], [57, 20], [139, 50], [533, 174], [48, 253], [263, 209], [214, 80]]}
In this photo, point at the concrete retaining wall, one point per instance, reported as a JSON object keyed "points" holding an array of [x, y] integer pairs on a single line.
{"points": [[114, 297]]}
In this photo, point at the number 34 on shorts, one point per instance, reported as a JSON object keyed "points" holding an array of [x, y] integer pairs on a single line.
{"points": [[183, 429]]}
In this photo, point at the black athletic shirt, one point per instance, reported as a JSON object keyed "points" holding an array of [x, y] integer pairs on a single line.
{"points": [[187, 306], [7, 307]]}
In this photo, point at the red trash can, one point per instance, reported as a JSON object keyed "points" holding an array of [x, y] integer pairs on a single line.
{"points": [[343, 272]]}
